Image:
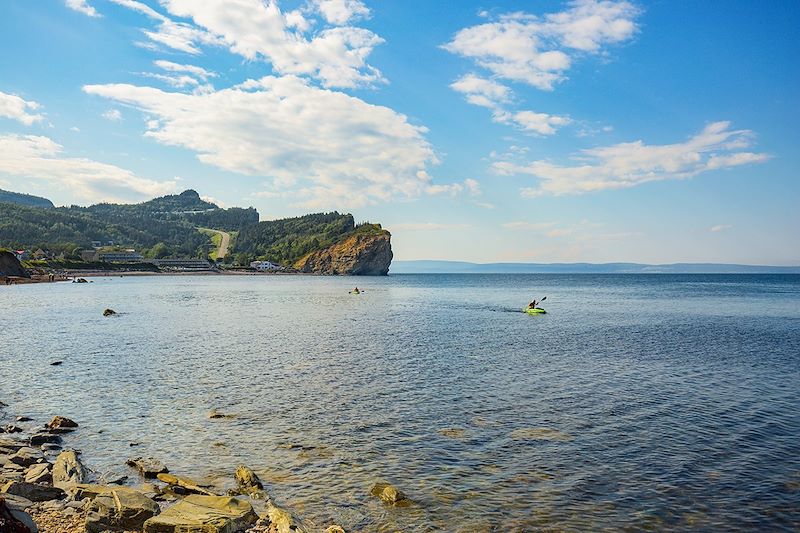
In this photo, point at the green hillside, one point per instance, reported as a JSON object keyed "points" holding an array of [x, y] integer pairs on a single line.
{"points": [[24, 199], [286, 240], [173, 226]]}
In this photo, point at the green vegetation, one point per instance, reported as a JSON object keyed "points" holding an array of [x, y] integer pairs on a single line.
{"points": [[24, 199], [287, 240], [171, 226], [160, 228]]}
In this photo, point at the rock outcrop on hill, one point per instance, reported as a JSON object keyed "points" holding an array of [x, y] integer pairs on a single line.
{"points": [[10, 266], [359, 254]]}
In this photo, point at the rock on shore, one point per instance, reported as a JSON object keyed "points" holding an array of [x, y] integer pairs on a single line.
{"points": [[10, 266], [360, 254]]}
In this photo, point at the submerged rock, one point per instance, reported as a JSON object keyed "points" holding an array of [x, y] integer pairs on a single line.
{"points": [[390, 494], [184, 483], [62, 422], [214, 414], [540, 433], [68, 470], [281, 520], [204, 514], [120, 509], [43, 438], [453, 433], [247, 480], [148, 467], [11, 428]]}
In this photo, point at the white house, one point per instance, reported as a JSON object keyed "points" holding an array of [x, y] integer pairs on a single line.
{"points": [[263, 266]]}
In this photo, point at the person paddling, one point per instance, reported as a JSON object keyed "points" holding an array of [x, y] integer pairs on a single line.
{"points": [[534, 303]]}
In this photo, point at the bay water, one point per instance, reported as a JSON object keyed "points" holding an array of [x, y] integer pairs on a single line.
{"points": [[638, 402]]}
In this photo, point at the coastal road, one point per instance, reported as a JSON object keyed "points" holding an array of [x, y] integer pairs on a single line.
{"points": [[224, 240]]}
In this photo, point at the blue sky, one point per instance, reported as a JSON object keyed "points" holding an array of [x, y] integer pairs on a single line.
{"points": [[492, 131]]}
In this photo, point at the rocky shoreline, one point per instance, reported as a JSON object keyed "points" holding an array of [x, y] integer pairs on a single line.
{"points": [[45, 487]]}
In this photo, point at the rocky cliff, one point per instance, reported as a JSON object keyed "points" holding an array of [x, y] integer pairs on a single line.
{"points": [[359, 254], [9, 266]]}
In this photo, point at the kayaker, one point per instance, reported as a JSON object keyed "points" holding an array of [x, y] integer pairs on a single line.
{"points": [[355, 291], [533, 304]]}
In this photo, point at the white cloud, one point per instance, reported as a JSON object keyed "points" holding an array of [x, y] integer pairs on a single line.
{"points": [[177, 81], [539, 50], [629, 164], [327, 148], [37, 157], [254, 29], [427, 226], [181, 76], [469, 185], [114, 115], [83, 7], [341, 12], [14, 107], [75, 129], [494, 96], [473, 187], [192, 70], [719, 227], [482, 92], [540, 123], [485, 205]]}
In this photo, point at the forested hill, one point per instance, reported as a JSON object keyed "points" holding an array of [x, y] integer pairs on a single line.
{"points": [[169, 227], [24, 199], [162, 227], [289, 239]]}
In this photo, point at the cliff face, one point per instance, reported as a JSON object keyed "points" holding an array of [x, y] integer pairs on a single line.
{"points": [[359, 254], [9, 266]]}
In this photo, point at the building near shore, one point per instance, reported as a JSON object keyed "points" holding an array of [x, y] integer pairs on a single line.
{"points": [[127, 256], [182, 264], [265, 266]]}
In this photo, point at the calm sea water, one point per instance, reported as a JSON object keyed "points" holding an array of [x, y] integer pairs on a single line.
{"points": [[660, 402]]}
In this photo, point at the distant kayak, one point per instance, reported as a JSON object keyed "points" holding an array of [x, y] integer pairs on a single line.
{"points": [[535, 311]]}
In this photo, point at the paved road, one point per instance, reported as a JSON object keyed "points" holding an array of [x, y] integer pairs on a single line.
{"points": [[222, 249], [224, 242]]}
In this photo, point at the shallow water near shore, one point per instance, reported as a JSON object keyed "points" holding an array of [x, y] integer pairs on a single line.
{"points": [[638, 402]]}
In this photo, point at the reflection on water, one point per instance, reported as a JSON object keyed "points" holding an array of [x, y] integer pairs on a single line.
{"points": [[637, 403]]}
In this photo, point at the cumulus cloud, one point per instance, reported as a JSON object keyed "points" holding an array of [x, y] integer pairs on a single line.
{"points": [[629, 164], [469, 185], [16, 108], [83, 7], [340, 12], [258, 30], [37, 157], [326, 148], [182, 76], [496, 97], [192, 70], [540, 50], [114, 115]]}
